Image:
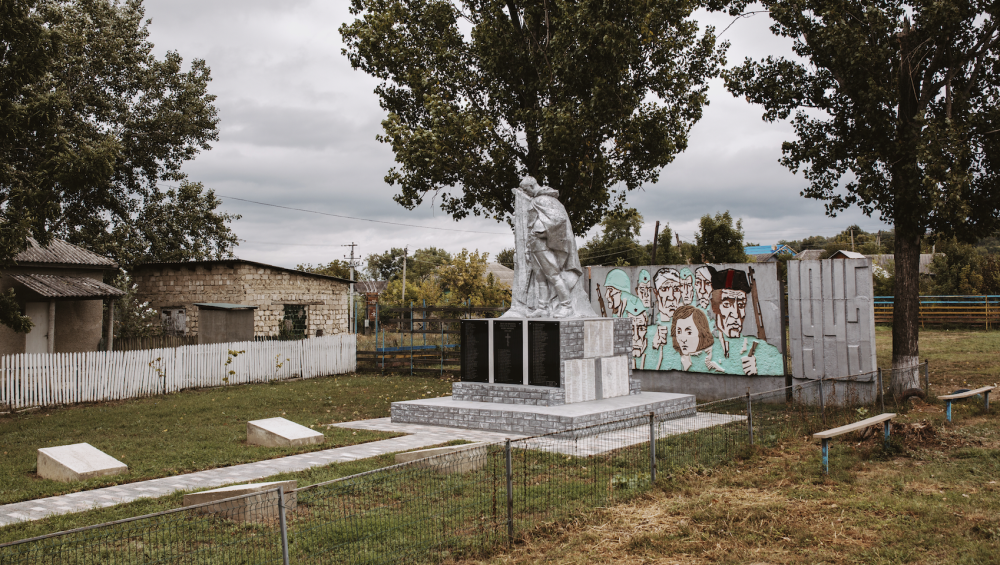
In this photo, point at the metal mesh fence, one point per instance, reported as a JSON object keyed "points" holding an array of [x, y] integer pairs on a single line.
{"points": [[472, 498], [245, 529]]}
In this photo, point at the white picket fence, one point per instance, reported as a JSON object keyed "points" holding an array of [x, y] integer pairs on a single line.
{"points": [[48, 379]]}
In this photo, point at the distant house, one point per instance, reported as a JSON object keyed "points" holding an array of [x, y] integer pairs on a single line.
{"points": [[885, 260], [767, 253], [844, 254], [288, 302], [809, 255], [61, 288]]}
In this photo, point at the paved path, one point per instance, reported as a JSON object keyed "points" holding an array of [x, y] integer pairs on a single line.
{"points": [[420, 436]]}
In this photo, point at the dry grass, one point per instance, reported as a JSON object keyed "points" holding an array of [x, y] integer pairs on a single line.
{"points": [[933, 498]]}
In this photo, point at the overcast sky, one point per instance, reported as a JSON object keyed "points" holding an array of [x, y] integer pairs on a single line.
{"points": [[298, 127]]}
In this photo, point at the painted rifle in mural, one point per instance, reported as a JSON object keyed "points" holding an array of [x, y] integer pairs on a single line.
{"points": [[694, 317]]}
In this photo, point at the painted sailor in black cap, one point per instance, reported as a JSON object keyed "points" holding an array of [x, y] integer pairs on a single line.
{"points": [[730, 292]]}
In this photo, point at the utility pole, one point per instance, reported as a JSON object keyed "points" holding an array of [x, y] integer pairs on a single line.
{"points": [[351, 323], [403, 295], [656, 235], [852, 240]]}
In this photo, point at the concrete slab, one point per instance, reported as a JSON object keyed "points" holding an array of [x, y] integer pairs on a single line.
{"points": [[260, 508], [279, 432], [598, 338], [449, 459], [77, 462]]}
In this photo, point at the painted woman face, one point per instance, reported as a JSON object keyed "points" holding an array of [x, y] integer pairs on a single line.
{"points": [[687, 335]]}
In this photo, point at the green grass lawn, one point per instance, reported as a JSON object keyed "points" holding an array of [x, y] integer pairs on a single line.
{"points": [[958, 358], [195, 430]]}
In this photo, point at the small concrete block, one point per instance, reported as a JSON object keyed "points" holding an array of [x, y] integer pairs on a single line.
{"points": [[614, 376], [258, 508], [279, 432], [77, 462], [598, 338], [580, 380]]}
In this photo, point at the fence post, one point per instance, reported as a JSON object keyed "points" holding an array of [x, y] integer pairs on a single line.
{"points": [[411, 339], [881, 389], [750, 416], [510, 494], [284, 526], [652, 447], [442, 347]]}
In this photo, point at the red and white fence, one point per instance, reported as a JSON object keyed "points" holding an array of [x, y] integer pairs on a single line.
{"points": [[47, 379]]}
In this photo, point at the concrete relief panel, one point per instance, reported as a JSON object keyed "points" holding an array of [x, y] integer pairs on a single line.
{"points": [[831, 318], [718, 319]]}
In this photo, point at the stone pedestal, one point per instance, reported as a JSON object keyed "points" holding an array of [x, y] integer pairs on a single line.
{"points": [[260, 508], [279, 432], [545, 362], [77, 462]]}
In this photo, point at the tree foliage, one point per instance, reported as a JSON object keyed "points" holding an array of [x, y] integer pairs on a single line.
{"points": [[462, 279], [719, 240], [335, 268], [896, 111], [584, 96], [90, 122]]}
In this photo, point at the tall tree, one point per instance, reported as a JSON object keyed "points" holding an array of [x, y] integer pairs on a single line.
{"points": [[586, 96], [896, 111], [335, 268], [718, 240], [90, 120]]}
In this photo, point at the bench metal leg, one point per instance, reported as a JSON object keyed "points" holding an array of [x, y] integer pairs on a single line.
{"points": [[826, 456], [986, 400], [888, 428], [948, 412]]}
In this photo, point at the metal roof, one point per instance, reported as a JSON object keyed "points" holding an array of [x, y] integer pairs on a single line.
{"points": [[59, 286], [223, 306], [210, 262], [59, 251]]}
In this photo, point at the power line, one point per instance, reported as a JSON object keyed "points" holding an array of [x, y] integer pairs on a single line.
{"points": [[355, 217]]}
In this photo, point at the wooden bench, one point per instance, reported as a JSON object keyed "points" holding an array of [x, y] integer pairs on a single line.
{"points": [[868, 422], [985, 391]]}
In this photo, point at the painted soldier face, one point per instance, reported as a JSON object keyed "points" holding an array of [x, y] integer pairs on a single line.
{"points": [[732, 310], [668, 294], [687, 335], [615, 301], [638, 334], [645, 293], [703, 286], [687, 290]]}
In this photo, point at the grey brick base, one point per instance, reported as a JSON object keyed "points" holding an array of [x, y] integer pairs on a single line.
{"points": [[509, 394], [536, 420]]}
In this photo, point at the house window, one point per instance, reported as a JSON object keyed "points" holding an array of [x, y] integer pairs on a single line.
{"points": [[293, 323]]}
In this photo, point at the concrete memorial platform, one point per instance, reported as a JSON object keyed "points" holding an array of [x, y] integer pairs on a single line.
{"points": [[258, 508], [536, 420], [77, 462], [279, 432]]}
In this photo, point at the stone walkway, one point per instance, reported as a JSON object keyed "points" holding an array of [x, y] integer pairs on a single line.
{"points": [[420, 436]]}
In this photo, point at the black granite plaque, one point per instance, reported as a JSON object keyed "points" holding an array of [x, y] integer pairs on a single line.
{"points": [[475, 351], [543, 353], [508, 352]]}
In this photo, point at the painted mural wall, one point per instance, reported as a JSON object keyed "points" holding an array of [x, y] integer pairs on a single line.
{"points": [[720, 319]]}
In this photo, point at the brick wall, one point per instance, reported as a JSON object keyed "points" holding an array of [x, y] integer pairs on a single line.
{"points": [[269, 289]]}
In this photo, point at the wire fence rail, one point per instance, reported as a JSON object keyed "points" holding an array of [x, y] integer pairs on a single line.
{"points": [[473, 500]]}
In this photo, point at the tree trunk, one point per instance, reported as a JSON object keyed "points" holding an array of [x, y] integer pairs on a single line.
{"points": [[906, 316], [908, 217]]}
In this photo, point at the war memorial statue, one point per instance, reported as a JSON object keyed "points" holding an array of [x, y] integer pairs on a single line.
{"points": [[548, 277]]}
